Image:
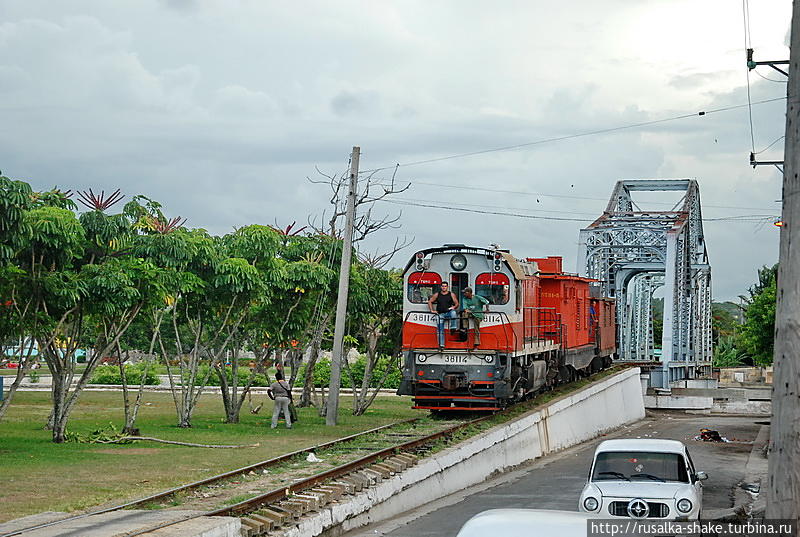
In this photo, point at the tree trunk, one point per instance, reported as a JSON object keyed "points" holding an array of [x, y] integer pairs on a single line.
{"points": [[312, 354], [130, 419], [25, 364], [229, 392], [58, 417], [126, 405]]}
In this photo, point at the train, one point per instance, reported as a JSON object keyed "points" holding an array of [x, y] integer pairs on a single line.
{"points": [[541, 327]]}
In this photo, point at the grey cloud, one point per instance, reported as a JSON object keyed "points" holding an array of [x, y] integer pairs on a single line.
{"points": [[181, 5], [349, 103], [223, 114], [693, 81]]}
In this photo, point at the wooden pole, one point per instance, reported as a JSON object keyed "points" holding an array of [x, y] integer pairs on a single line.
{"points": [[344, 288], [783, 495]]}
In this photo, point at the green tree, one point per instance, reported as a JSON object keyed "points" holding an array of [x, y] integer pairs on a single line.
{"points": [[657, 311], [78, 287], [727, 353], [724, 320], [758, 332], [376, 303]]}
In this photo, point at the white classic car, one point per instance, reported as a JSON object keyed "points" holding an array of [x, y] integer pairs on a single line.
{"points": [[526, 523], [639, 478]]}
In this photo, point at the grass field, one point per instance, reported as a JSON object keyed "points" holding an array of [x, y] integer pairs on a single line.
{"points": [[37, 475]]}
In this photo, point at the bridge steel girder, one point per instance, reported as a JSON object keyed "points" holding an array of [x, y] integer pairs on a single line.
{"points": [[633, 252]]}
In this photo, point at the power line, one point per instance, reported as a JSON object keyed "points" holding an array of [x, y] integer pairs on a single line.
{"points": [[740, 218], [572, 136], [464, 204], [746, 22], [770, 145], [481, 211], [770, 79], [565, 196]]}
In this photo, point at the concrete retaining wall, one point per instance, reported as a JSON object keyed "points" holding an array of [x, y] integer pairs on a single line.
{"points": [[749, 401], [745, 375], [574, 418]]}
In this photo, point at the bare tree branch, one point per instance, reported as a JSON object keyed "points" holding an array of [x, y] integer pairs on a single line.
{"points": [[378, 259]]}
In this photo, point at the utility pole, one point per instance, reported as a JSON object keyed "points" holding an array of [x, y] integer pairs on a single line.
{"points": [[344, 288], [783, 495]]}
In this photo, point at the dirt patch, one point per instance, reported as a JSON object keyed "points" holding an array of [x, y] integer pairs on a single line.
{"points": [[129, 451]]}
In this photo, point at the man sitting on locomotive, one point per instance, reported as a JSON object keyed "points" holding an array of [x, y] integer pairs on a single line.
{"points": [[474, 306], [446, 305]]}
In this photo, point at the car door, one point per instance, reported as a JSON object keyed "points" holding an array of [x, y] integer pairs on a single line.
{"points": [[696, 483]]}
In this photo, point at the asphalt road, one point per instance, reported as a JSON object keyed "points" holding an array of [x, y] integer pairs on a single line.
{"points": [[555, 481]]}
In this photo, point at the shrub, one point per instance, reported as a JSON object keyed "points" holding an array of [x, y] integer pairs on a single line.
{"points": [[243, 373], [109, 374], [322, 373]]}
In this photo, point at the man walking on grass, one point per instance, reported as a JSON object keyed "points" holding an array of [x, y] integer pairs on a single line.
{"points": [[282, 394]]}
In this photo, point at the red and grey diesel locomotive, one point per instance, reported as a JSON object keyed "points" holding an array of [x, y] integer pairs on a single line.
{"points": [[541, 327]]}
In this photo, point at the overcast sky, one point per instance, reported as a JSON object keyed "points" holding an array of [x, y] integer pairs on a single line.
{"points": [[222, 109]]}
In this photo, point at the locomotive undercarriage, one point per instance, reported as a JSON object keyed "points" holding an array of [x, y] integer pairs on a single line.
{"points": [[491, 381]]}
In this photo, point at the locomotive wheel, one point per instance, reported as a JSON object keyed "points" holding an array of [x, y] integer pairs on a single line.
{"points": [[564, 375]]}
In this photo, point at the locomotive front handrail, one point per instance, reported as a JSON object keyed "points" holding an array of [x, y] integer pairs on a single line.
{"points": [[485, 346]]}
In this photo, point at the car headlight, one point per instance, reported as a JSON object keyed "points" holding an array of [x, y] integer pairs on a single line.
{"points": [[684, 505], [590, 504]]}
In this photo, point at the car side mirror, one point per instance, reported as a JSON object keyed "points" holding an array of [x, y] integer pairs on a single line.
{"points": [[701, 476]]}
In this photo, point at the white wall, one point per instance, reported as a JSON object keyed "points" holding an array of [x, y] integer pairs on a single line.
{"points": [[600, 407]]}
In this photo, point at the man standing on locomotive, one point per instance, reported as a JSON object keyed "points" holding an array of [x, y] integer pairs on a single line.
{"points": [[474, 306], [446, 305]]}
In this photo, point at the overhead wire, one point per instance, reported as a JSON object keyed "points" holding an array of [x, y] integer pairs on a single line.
{"points": [[778, 139], [429, 205], [771, 79], [565, 196], [749, 104], [464, 204], [747, 43]]}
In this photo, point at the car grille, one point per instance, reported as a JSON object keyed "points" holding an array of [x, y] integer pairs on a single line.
{"points": [[657, 509]]}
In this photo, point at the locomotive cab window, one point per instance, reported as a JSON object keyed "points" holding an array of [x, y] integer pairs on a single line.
{"points": [[494, 287], [421, 285]]}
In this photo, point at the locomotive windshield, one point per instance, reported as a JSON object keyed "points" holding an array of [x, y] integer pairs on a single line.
{"points": [[421, 285], [493, 286]]}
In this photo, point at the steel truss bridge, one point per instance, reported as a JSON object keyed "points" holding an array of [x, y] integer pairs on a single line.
{"points": [[633, 252]]}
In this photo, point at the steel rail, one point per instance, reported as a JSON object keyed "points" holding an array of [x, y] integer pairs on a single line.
{"points": [[262, 500], [209, 480]]}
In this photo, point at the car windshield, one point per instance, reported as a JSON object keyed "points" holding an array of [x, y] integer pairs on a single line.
{"points": [[640, 466]]}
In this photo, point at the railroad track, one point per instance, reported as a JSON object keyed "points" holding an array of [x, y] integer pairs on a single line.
{"points": [[366, 438], [277, 508], [280, 507]]}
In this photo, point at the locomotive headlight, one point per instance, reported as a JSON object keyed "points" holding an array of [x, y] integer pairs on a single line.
{"points": [[422, 357], [488, 358], [590, 504], [684, 505], [458, 262]]}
